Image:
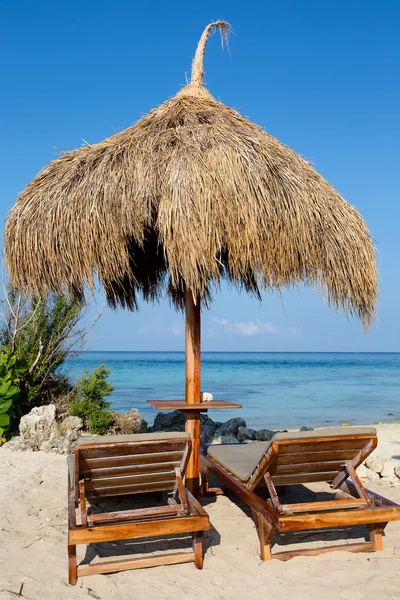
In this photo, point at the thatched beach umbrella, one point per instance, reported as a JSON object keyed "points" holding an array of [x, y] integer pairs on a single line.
{"points": [[191, 194]]}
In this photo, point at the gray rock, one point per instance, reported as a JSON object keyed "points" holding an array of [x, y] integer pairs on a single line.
{"points": [[231, 426], [174, 421], [244, 433], [36, 427], [40, 430], [63, 436], [304, 428], [363, 472], [18, 444], [225, 438], [264, 435], [207, 430], [388, 468], [367, 474], [375, 463], [389, 481], [397, 469], [130, 422]]}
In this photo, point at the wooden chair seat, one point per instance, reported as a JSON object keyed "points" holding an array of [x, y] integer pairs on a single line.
{"points": [[291, 458], [104, 470]]}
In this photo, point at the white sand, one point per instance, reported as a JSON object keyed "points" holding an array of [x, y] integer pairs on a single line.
{"points": [[33, 556]]}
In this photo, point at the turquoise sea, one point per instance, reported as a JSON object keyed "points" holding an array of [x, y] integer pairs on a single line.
{"points": [[277, 390]]}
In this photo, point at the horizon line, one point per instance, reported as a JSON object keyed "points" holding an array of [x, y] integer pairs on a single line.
{"points": [[248, 351]]}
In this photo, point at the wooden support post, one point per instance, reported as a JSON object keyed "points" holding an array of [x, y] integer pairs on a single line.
{"points": [[72, 568], [198, 549], [266, 534], [375, 535], [192, 391]]}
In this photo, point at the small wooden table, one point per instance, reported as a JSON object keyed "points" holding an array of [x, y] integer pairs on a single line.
{"points": [[197, 407], [192, 424]]}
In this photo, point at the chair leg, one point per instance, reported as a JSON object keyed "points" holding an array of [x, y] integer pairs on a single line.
{"points": [[72, 566], [266, 535], [198, 549], [375, 535], [205, 476]]}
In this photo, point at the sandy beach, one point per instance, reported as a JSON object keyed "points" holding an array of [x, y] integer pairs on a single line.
{"points": [[33, 551]]}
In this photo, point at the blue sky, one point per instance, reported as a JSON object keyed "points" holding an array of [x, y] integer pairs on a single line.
{"points": [[320, 76]]}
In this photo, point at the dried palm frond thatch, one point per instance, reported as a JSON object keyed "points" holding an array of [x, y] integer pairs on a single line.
{"points": [[191, 193]]}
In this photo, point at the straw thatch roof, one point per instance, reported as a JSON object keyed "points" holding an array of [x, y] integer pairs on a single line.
{"points": [[191, 193]]}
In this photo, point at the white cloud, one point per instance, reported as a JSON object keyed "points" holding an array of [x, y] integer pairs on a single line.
{"points": [[246, 328]]}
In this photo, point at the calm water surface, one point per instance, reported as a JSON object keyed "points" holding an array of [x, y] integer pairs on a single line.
{"points": [[278, 390]]}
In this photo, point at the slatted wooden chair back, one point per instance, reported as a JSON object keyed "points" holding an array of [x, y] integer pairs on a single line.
{"points": [[114, 469], [311, 459]]}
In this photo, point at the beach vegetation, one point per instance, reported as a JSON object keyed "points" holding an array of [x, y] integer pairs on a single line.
{"points": [[89, 401], [37, 334], [12, 370]]}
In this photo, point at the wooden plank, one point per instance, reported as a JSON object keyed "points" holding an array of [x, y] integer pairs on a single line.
{"points": [[76, 466], [263, 466], [137, 459], [306, 507], [355, 461], [315, 467], [195, 506], [132, 448], [185, 457], [135, 563], [137, 513], [361, 547], [94, 493], [357, 482], [71, 503], [130, 480], [181, 491], [377, 499], [129, 470], [156, 527], [339, 518], [304, 478], [202, 406], [273, 493], [82, 502], [312, 457], [322, 444]]}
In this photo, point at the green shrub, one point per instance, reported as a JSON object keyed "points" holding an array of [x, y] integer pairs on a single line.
{"points": [[12, 371], [100, 421], [89, 403], [41, 332]]}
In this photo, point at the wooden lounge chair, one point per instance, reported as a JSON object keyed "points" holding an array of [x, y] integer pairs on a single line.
{"points": [[109, 468], [325, 455]]}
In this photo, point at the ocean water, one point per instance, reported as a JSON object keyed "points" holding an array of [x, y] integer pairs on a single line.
{"points": [[277, 390]]}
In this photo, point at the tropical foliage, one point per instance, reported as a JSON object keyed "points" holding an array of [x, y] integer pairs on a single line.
{"points": [[12, 370], [89, 403], [36, 336]]}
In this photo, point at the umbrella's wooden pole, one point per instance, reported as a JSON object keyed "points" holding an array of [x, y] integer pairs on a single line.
{"points": [[192, 390]]}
